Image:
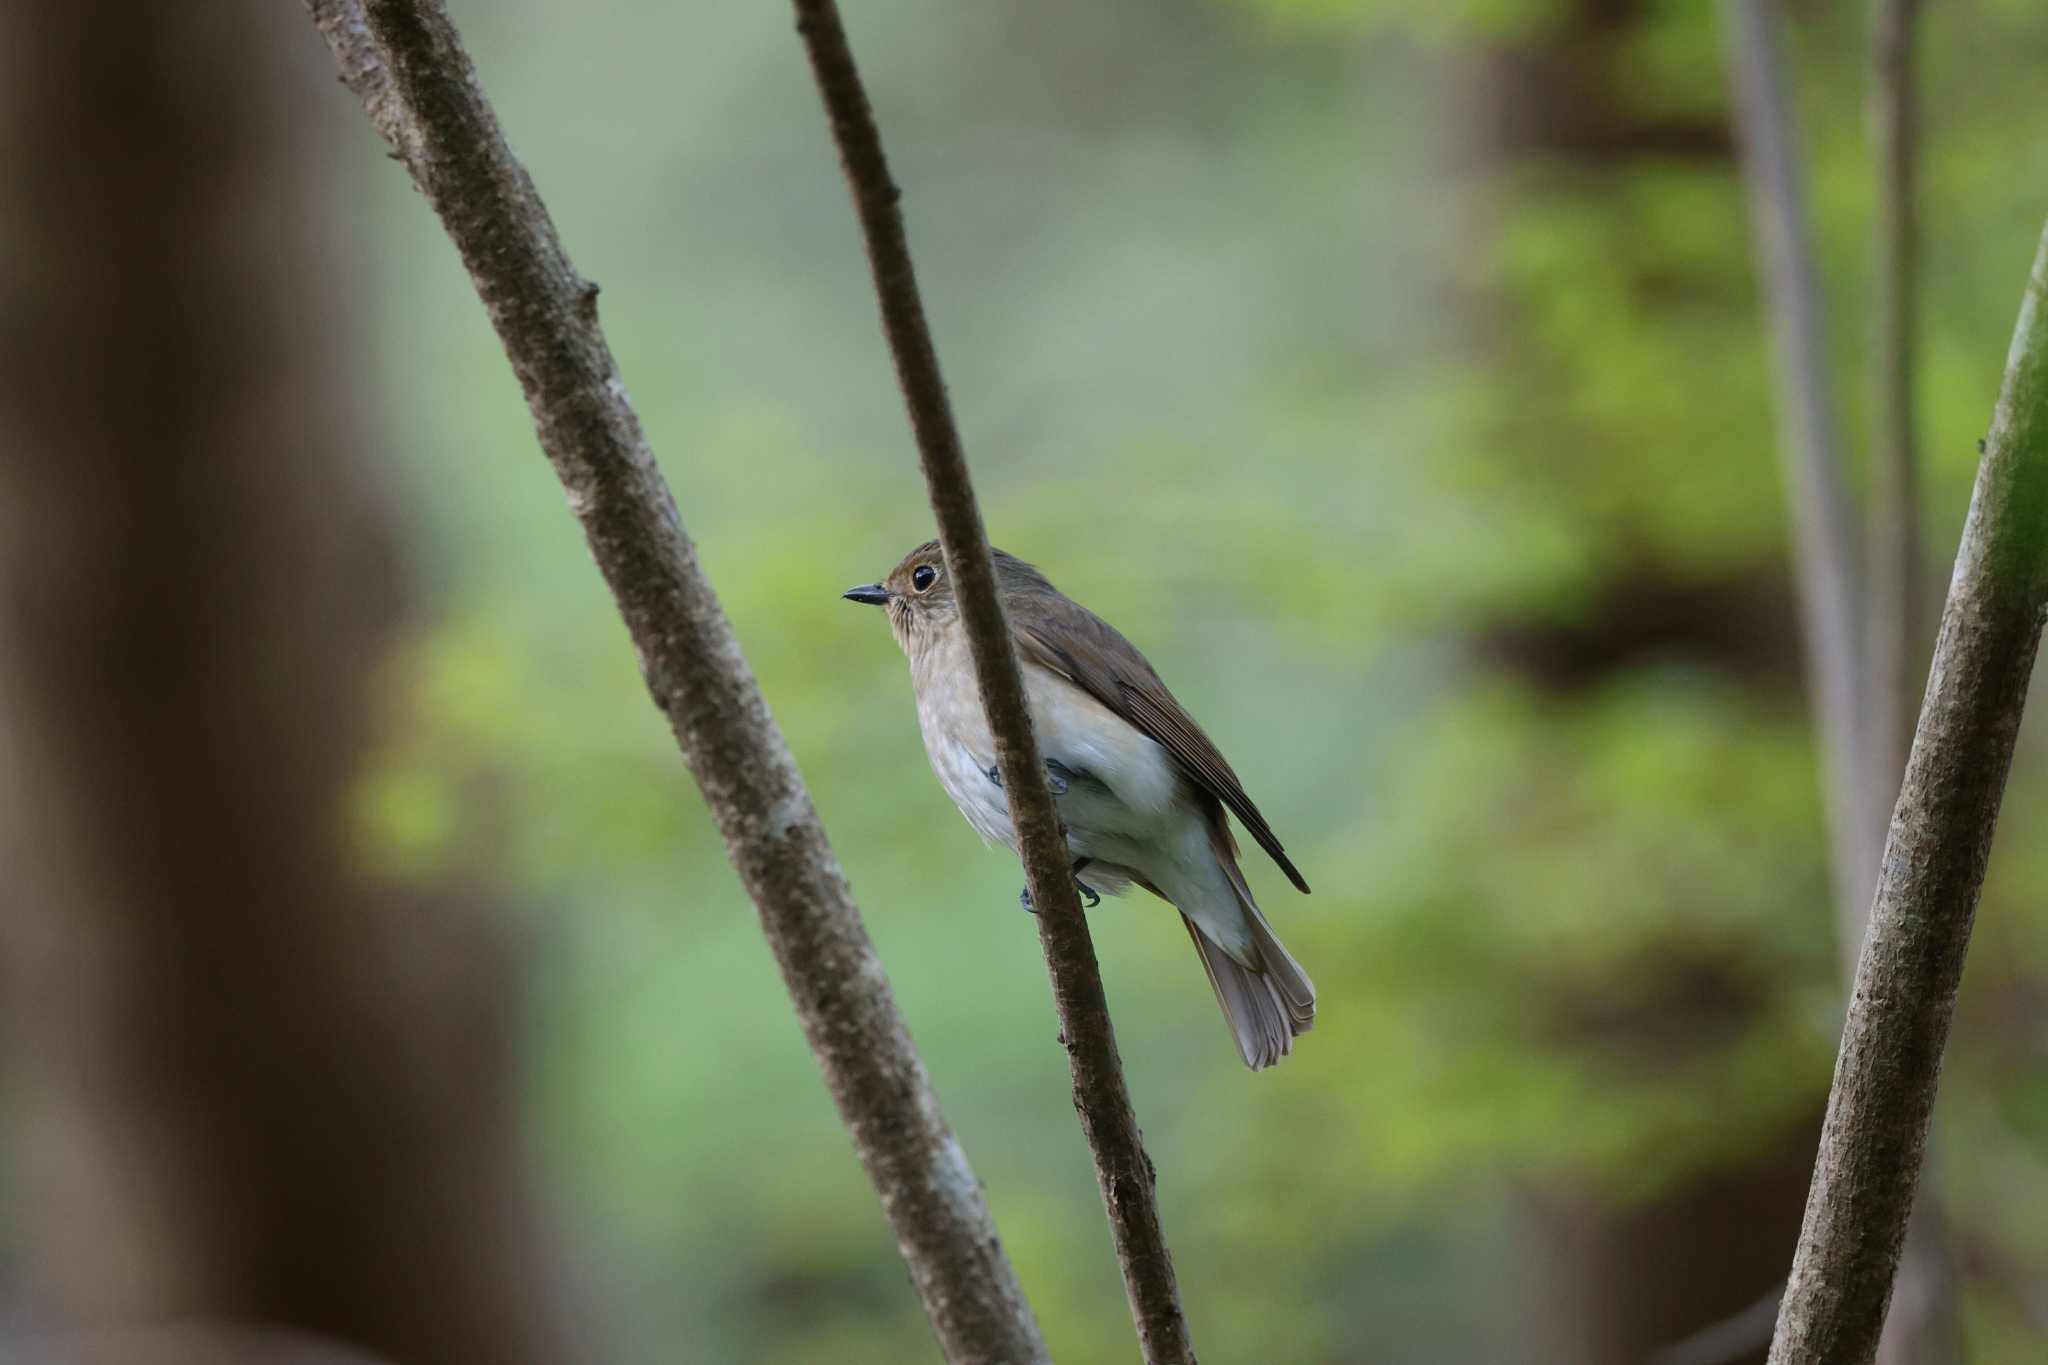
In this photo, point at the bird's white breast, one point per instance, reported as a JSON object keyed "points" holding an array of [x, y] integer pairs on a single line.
{"points": [[956, 734], [1133, 789]]}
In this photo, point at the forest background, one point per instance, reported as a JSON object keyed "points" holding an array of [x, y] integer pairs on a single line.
{"points": [[1399, 384]]}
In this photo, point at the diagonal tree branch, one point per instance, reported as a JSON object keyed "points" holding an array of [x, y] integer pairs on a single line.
{"points": [[1122, 1169], [404, 61], [1934, 860]]}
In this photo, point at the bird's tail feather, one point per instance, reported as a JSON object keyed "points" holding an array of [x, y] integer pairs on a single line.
{"points": [[1297, 992], [1266, 1009], [1273, 959], [1266, 996]]}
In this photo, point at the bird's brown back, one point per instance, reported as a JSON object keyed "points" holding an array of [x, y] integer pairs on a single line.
{"points": [[1058, 633]]}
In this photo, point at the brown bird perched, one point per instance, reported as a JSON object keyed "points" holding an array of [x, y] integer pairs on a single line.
{"points": [[1139, 787]]}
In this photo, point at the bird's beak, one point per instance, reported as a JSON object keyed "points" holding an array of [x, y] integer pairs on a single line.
{"points": [[874, 594]]}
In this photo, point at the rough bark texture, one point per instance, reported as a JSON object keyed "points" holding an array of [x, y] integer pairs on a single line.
{"points": [[1912, 961], [403, 59], [1122, 1169], [1823, 520], [246, 1081]]}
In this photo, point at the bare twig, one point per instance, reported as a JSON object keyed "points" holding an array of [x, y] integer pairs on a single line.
{"points": [[404, 61], [1912, 960], [1921, 1328], [1739, 1335], [1923, 1324], [1894, 514], [1122, 1169], [1823, 520]]}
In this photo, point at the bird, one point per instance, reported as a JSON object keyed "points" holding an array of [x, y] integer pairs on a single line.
{"points": [[1140, 789]]}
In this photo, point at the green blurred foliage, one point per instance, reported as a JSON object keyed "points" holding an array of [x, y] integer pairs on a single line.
{"points": [[1393, 375]]}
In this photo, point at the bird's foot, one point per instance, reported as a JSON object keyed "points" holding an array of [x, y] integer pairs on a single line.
{"points": [[1088, 895], [1057, 775], [1087, 892]]}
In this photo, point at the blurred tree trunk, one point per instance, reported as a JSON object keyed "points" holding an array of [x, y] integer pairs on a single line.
{"points": [[244, 1083], [1622, 1278]]}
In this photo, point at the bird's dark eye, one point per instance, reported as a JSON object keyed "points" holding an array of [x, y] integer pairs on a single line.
{"points": [[923, 576]]}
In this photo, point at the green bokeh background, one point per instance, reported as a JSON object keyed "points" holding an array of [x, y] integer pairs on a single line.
{"points": [[1393, 375]]}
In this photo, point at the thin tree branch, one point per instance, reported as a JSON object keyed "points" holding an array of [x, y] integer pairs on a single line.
{"points": [[1122, 1169], [1922, 1325], [404, 61], [1921, 1328], [1889, 617], [1823, 520], [1912, 961], [1739, 1335]]}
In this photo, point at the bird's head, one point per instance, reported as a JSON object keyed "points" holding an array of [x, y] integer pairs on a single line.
{"points": [[917, 596], [918, 593]]}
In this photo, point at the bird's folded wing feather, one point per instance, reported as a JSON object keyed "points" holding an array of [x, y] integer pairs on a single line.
{"points": [[1109, 668]]}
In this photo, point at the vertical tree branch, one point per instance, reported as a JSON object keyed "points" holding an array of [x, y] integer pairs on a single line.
{"points": [[1823, 536], [1894, 514], [1122, 1169], [403, 59], [1934, 860], [1921, 1328]]}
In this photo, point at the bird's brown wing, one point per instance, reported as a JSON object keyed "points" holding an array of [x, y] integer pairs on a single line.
{"points": [[1057, 633]]}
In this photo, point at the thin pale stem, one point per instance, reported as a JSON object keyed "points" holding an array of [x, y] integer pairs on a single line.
{"points": [[1889, 617], [1823, 519]]}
